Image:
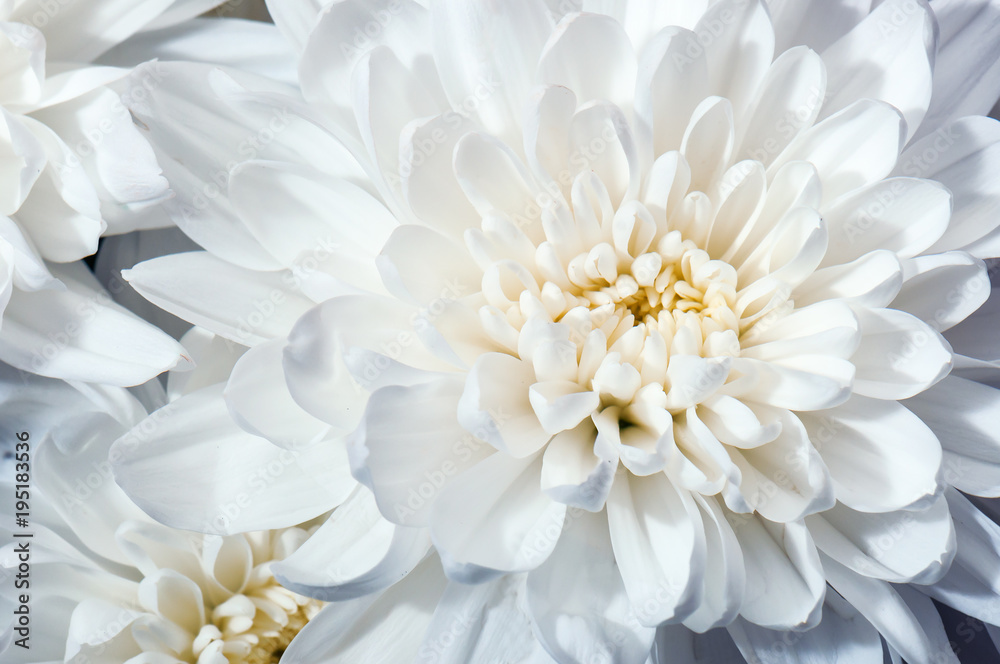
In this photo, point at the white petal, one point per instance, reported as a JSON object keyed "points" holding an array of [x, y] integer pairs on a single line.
{"points": [[23, 158], [942, 290], [570, 59], [421, 265], [577, 600], [387, 96], [974, 336], [659, 544], [259, 400], [904, 215], [739, 49], [214, 358], [971, 585], [802, 383], [872, 280], [348, 346], [493, 518], [494, 179], [825, 328], [174, 597], [901, 547], [784, 556], [787, 102], [880, 455], [338, 40], [561, 405], [963, 415], [80, 334], [495, 405], [724, 577], [574, 473], [958, 155], [842, 636], [707, 144], [965, 50], [671, 83], [852, 148], [888, 56], [486, 58], [410, 445], [245, 306], [23, 49], [390, 625], [899, 355], [427, 177], [911, 625], [198, 470], [785, 479], [254, 46], [814, 23], [471, 621], [356, 552], [328, 225]]}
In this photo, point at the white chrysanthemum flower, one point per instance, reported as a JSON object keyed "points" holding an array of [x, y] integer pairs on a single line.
{"points": [[74, 167], [104, 582], [107, 585], [646, 304]]}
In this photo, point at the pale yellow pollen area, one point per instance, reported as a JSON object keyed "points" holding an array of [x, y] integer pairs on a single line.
{"points": [[676, 285], [256, 627]]}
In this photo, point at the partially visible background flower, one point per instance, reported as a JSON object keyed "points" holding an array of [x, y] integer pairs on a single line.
{"points": [[108, 584]]}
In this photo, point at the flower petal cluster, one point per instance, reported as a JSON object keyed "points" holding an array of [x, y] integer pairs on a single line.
{"points": [[74, 168], [624, 324]]}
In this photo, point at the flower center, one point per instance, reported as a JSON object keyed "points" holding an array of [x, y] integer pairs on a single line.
{"points": [[256, 627], [610, 310], [678, 284]]}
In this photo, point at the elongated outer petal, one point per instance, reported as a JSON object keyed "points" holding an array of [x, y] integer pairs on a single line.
{"points": [[254, 46], [741, 50], [943, 289], [814, 23], [967, 51], [409, 446], [971, 584], [330, 226], [880, 455], [781, 555], [190, 466], [570, 60], [905, 215], [724, 580], [843, 150], [389, 626], [473, 622], [356, 552], [888, 56], [80, 334], [959, 155], [901, 547], [659, 545], [577, 600], [899, 355], [844, 635], [963, 415], [244, 306], [487, 59], [259, 401], [906, 619], [493, 519]]}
